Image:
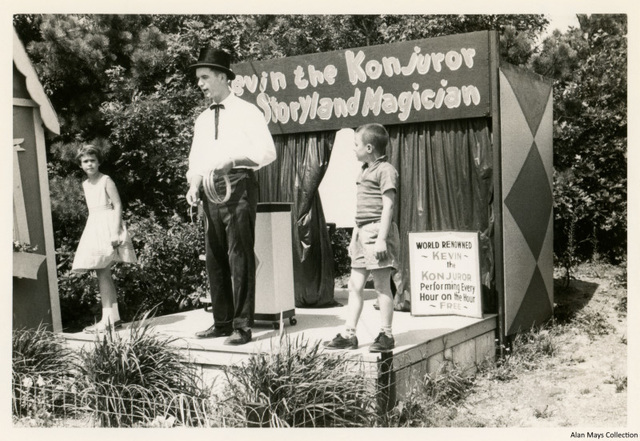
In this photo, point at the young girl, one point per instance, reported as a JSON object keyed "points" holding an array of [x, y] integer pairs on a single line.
{"points": [[105, 239]]}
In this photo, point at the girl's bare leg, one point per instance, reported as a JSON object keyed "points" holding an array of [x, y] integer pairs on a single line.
{"points": [[110, 312]]}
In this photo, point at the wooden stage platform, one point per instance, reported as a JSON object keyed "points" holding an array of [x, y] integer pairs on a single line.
{"points": [[422, 343]]}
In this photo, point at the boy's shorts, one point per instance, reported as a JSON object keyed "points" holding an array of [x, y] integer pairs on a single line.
{"points": [[362, 247]]}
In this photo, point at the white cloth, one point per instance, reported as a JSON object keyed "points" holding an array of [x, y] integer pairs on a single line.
{"points": [[94, 249], [242, 131]]}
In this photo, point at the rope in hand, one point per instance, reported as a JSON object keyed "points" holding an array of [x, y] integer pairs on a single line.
{"points": [[217, 188]]}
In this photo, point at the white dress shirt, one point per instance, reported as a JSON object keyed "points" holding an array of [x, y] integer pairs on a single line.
{"points": [[242, 132]]}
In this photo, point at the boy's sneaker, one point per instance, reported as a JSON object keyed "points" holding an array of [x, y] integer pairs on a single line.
{"points": [[382, 343], [339, 342]]}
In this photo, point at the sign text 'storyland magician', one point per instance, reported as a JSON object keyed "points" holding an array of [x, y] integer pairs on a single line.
{"points": [[422, 80]]}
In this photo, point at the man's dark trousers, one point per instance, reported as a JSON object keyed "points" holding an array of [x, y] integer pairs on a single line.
{"points": [[230, 256]]}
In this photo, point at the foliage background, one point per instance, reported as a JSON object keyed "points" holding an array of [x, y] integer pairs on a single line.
{"points": [[121, 82]]}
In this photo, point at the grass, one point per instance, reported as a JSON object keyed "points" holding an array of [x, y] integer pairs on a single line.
{"points": [[43, 370], [543, 413], [132, 380], [448, 385], [525, 353], [298, 385], [620, 381], [621, 306], [434, 401], [39, 352], [592, 323]]}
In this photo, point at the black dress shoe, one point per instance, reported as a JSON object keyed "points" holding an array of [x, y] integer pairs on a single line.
{"points": [[239, 337], [213, 332]]}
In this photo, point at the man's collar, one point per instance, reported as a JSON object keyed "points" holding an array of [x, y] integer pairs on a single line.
{"points": [[225, 100]]}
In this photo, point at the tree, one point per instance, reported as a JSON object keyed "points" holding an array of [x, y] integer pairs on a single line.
{"points": [[589, 67], [122, 81]]}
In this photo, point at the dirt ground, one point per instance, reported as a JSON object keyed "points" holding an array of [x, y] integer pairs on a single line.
{"points": [[584, 382]]}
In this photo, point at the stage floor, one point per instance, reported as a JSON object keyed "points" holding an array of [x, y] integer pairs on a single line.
{"points": [[417, 338]]}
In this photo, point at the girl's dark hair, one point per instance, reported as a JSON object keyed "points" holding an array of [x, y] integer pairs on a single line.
{"points": [[89, 149], [376, 135]]}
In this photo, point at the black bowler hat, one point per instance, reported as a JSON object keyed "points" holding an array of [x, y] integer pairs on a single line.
{"points": [[215, 59]]}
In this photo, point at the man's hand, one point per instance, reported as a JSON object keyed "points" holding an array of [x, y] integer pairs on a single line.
{"points": [[193, 197], [223, 167]]}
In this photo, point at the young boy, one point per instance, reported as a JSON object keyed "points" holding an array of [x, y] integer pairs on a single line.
{"points": [[375, 242]]}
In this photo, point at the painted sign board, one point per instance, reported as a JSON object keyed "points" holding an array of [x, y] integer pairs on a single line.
{"points": [[414, 81], [445, 273]]}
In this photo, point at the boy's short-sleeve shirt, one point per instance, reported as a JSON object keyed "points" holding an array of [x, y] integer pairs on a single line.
{"points": [[374, 180]]}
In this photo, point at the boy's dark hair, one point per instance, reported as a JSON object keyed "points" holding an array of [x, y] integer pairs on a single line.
{"points": [[376, 135], [89, 149]]}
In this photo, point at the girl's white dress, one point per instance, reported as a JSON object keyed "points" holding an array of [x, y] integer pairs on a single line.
{"points": [[95, 250]]}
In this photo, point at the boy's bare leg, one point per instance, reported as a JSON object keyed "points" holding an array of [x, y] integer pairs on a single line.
{"points": [[357, 281], [382, 285]]}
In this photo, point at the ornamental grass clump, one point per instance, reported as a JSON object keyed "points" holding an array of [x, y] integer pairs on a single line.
{"points": [[136, 378], [298, 385], [528, 351], [43, 373], [448, 385]]}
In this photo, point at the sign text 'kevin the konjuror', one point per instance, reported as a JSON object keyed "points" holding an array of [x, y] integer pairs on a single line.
{"points": [[445, 273], [423, 80]]}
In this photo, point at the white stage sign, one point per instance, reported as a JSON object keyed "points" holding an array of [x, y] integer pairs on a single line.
{"points": [[445, 273]]}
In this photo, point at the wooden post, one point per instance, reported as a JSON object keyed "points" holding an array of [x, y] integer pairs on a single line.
{"points": [[386, 383]]}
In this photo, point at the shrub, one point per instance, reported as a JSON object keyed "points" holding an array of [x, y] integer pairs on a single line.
{"points": [[134, 379], [23, 247], [43, 371], [340, 239], [300, 386], [79, 293], [168, 276], [68, 209]]}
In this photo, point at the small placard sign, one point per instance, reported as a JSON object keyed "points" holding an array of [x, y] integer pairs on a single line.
{"points": [[445, 273]]}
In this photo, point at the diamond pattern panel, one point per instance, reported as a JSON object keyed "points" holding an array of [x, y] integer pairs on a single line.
{"points": [[545, 260], [530, 201], [515, 134], [535, 307], [519, 266], [533, 96], [544, 140], [258, 262], [527, 181]]}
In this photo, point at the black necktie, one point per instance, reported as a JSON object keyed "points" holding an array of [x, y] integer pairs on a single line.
{"points": [[216, 108]]}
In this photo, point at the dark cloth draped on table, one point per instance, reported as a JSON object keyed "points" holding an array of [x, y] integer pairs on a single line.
{"points": [[445, 183], [295, 177]]}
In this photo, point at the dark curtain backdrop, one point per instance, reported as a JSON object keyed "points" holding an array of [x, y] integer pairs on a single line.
{"points": [[445, 173], [295, 177], [445, 183]]}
